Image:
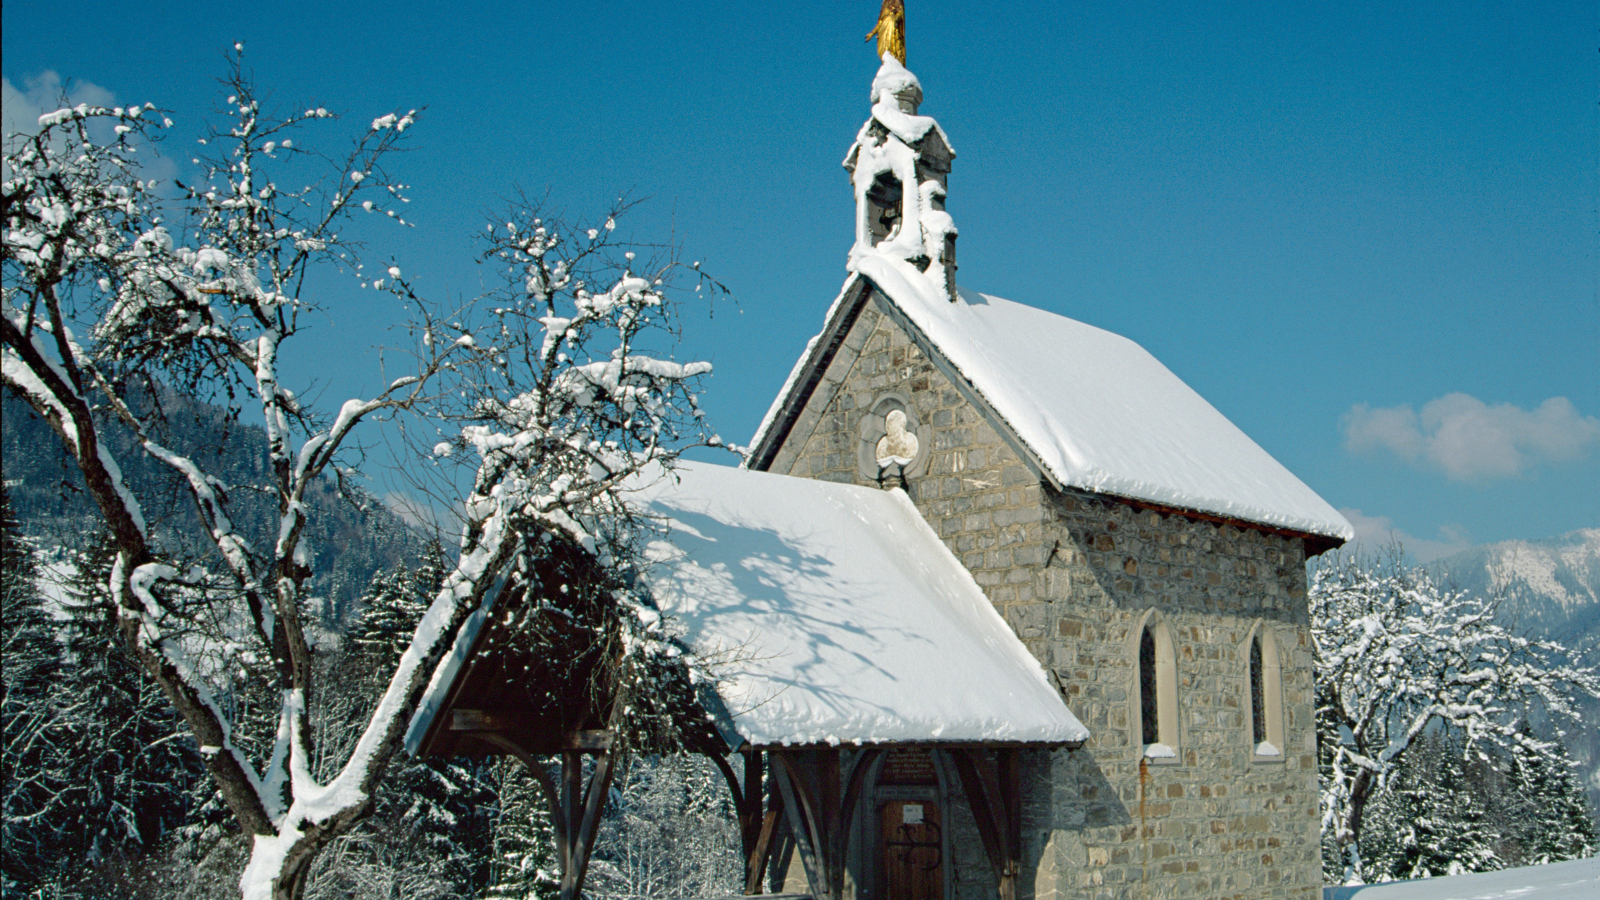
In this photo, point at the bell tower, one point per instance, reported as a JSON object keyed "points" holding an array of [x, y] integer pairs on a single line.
{"points": [[900, 166]]}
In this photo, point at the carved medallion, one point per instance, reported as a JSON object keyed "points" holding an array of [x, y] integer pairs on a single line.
{"points": [[894, 444]]}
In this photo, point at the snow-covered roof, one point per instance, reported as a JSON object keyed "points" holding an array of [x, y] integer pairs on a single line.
{"points": [[1093, 409], [834, 614]]}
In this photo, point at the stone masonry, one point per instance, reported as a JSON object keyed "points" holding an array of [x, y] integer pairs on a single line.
{"points": [[1075, 574]]}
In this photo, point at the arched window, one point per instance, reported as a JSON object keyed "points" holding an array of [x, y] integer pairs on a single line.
{"points": [[1156, 713], [1258, 722], [1149, 718], [1265, 684]]}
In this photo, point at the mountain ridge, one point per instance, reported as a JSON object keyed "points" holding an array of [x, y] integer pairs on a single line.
{"points": [[1549, 587]]}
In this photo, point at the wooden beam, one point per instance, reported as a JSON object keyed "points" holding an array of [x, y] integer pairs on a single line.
{"points": [[571, 813], [594, 805], [541, 774], [829, 795], [972, 783], [500, 721], [859, 768], [1010, 785], [752, 821], [732, 780], [934, 745], [756, 862], [802, 820], [994, 792]]}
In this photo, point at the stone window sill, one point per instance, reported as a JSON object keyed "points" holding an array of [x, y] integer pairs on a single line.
{"points": [[1159, 755], [1266, 753]]}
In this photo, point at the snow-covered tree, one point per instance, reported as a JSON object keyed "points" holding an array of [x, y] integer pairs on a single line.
{"points": [[546, 397], [429, 816], [1544, 806], [30, 661], [673, 833], [523, 865], [96, 768], [124, 765], [1433, 819], [1397, 655]]}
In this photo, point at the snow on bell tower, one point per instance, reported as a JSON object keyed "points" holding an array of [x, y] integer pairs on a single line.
{"points": [[899, 166]]}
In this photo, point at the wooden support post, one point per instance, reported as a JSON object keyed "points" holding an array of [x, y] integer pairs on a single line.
{"points": [[756, 863], [1010, 785], [594, 805], [801, 813], [972, 784], [860, 767], [571, 798], [579, 811], [748, 800], [994, 791], [829, 796], [753, 822]]}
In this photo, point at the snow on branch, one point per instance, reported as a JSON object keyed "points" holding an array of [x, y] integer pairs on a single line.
{"points": [[544, 395], [1398, 654]]}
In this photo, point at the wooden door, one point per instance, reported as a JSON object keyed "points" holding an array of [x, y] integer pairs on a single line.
{"points": [[913, 850]]}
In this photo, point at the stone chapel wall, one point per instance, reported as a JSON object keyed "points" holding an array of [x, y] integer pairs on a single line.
{"points": [[1074, 574]]}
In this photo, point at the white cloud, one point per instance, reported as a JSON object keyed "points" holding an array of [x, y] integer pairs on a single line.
{"points": [[1374, 533], [44, 93], [1469, 440]]}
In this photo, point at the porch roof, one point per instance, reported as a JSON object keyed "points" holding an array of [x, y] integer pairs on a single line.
{"points": [[832, 614]]}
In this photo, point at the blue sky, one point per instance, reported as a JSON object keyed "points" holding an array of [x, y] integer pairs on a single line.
{"points": [[1366, 232]]}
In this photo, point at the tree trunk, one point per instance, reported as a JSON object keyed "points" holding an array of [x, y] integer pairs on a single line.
{"points": [[1350, 841]]}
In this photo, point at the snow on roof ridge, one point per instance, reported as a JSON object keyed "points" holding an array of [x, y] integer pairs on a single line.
{"points": [[892, 81], [1076, 437], [1246, 483]]}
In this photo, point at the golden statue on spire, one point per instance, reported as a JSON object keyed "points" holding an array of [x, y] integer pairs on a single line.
{"points": [[891, 30]]}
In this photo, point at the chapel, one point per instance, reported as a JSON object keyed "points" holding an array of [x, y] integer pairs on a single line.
{"points": [[1147, 553], [997, 606]]}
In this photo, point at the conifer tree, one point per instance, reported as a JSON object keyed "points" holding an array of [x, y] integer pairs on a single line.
{"points": [[1551, 819], [523, 866], [30, 660], [440, 809], [671, 834], [125, 765], [1431, 821]]}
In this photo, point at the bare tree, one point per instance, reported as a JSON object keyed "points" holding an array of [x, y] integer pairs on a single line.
{"points": [[546, 396], [1398, 655]]}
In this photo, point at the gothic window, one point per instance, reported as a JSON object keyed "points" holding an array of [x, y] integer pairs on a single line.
{"points": [[1265, 684], [1150, 724], [1156, 713], [1258, 722]]}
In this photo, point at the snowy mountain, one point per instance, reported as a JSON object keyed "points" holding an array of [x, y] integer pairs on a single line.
{"points": [[1548, 588], [352, 534]]}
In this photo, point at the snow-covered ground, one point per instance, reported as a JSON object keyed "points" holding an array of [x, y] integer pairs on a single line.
{"points": [[1578, 879]]}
